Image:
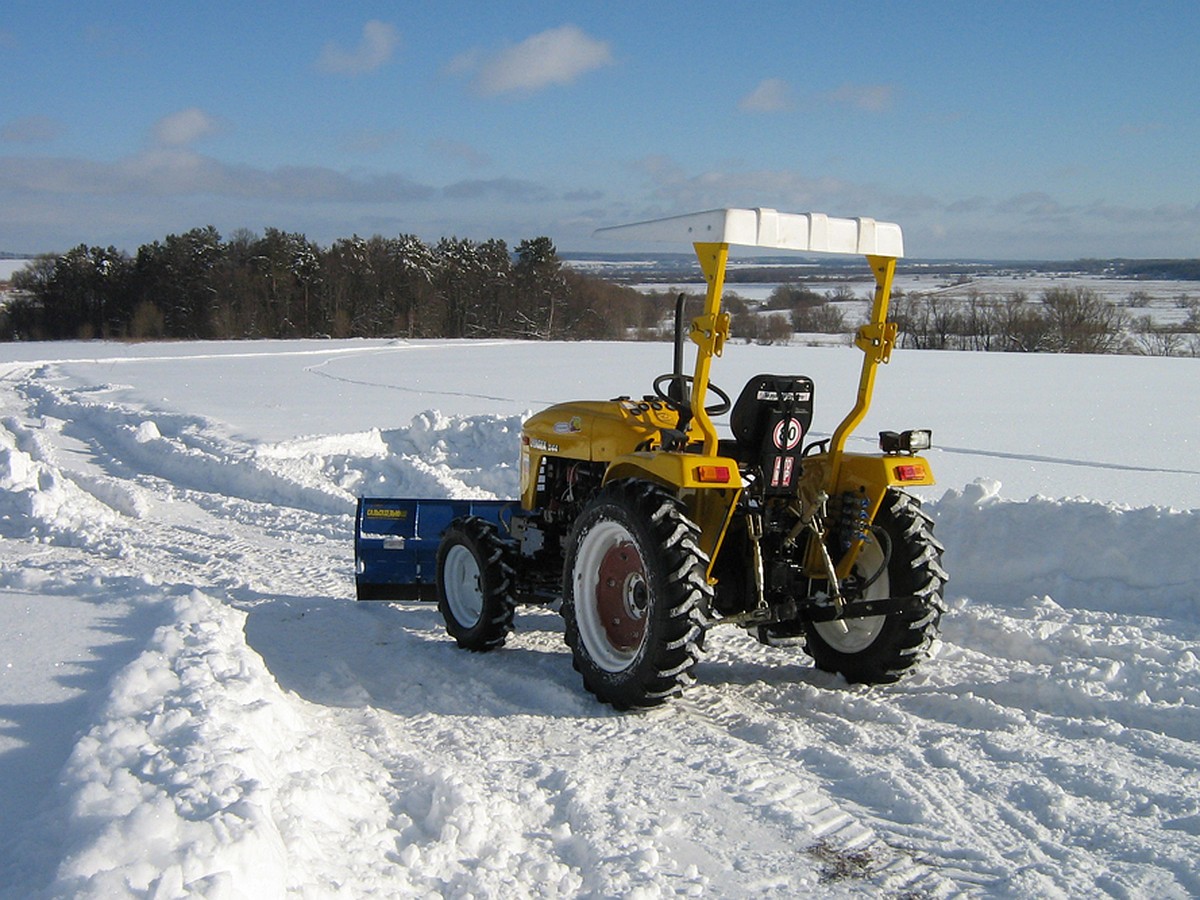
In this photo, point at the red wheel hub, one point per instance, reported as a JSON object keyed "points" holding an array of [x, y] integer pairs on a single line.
{"points": [[622, 596]]}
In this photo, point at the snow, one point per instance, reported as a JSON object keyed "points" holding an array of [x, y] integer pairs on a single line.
{"points": [[192, 704]]}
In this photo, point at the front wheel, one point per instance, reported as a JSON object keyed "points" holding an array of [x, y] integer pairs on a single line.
{"points": [[904, 561], [474, 584], [634, 586]]}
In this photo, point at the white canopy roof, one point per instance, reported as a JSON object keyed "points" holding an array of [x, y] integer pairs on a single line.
{"points": [[806, 232]]}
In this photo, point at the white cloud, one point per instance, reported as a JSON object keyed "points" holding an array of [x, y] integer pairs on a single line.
{"points": [[184, 128], [379, 42], [771, 95], [553, 57]]}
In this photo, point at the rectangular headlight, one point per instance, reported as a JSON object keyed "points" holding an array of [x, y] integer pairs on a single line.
{"points": [[918, 440], [905, 441]]}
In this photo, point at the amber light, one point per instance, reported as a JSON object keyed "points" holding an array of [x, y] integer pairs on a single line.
{"points": [[712, 474]]}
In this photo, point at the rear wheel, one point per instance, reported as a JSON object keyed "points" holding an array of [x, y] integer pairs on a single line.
{"points": [[474, 584], [634, 586], [904, 561]]}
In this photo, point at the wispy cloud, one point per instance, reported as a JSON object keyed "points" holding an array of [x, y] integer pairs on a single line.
{"points": [[1141, 129], [771, 95], [776, 95], [369, 141], [460, 150], [865, 97], [554, 57], [379, 42], [677, 190], [515, 189], [31, 130], [178, 172], [1031, 205], [184, 128]]}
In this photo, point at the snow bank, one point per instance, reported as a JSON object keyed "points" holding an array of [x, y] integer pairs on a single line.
{"points": [[200, 776], [181, 770], [435, 456], [1083, 553], [37, 499], [184, 450]]}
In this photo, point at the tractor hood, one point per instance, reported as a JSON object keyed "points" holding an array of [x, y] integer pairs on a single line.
{"points": [[596, 429]]}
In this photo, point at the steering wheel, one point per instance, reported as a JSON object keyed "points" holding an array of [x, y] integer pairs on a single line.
{"points": [[683, 381]]}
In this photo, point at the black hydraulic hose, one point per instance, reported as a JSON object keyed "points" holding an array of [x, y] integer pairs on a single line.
{"points": [[679, 381], [677, 384], [885, 544]]}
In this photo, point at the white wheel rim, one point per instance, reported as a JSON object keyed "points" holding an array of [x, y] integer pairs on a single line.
{"points": [[856, 635], [598, 544], [460, 582]]}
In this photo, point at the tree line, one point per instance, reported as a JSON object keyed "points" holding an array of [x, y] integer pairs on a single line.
{"points": [[1060, 320], [197, 285]]}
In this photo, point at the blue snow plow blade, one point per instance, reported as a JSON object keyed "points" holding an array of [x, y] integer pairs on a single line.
{"points": [[396, 543]]}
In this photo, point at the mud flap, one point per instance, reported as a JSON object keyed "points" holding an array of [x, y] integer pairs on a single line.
{"points": [[396, 542]]}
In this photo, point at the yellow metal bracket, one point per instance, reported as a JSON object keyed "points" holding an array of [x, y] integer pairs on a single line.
{"points": [[709, 333], [877, 340]]}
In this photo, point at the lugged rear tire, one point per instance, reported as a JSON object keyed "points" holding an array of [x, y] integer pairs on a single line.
{"points": [[474, 584], [634, 587], [882, 649]]}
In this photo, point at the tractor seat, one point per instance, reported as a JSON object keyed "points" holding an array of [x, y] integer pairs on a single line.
{"points": [[769, 422]]}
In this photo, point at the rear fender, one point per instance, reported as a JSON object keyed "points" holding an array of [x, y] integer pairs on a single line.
{"points": [[870, 477], [709, 487]]}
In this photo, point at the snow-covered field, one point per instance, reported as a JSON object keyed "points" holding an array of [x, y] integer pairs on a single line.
{"points": [[191, 703]]}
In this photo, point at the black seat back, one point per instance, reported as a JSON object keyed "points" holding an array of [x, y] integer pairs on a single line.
{"points": [[769, 422]]}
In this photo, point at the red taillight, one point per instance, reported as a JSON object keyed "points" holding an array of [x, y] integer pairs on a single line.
{"points": [[712, 474], [910, 473]]}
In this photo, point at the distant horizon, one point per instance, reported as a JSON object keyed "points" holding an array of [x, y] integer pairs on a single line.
{"points": [[684, 255]]}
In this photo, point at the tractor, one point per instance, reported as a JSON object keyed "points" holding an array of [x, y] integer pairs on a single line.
{"points": [[650, 528]]}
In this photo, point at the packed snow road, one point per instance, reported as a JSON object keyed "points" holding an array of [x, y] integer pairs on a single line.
{"points": [[191, 702]]}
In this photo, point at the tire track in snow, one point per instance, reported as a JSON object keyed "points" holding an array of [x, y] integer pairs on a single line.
{"points": [[321, 370], [999, 794], [1067, 461], [772, 738], [626, 802]]}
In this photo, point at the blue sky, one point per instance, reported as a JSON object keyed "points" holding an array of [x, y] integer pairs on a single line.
{"points": [[1000, 130]]}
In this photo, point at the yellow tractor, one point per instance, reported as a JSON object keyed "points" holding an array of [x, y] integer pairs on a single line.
{"points": [[652, 528]]}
